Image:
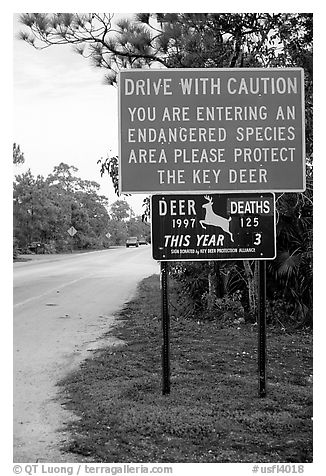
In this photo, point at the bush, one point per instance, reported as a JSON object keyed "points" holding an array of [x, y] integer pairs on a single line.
{"points": [[16, 250], [50, 248], [225, 309]]}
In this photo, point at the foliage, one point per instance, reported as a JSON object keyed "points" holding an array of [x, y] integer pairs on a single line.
{"points": [[120, 230], [137, 227], [45, 208], [120, 210], [228, 308], [123, 223], [193, 280], [15, 248], [110, 165], [292, 270], [18, 155], [278, 311], [175, 40]]}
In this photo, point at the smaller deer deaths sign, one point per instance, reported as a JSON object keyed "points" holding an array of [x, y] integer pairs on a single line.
{"points": [[213, 227]]}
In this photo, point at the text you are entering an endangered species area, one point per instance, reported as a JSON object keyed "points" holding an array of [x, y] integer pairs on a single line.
{"points": [[211, 130]]}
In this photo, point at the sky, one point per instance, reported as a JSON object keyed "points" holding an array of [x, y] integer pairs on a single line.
{"points": [[63, 112]]}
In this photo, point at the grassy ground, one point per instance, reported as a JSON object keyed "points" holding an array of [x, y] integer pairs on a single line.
{"points": [[213, 414]]}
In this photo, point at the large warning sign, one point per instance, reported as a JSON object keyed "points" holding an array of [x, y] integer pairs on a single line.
{"points": [[204, 130], [213, 227]]}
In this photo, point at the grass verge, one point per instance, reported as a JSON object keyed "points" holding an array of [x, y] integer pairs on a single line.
{"points": [[213, 414]]}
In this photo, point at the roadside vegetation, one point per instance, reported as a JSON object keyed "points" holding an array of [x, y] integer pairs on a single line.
{"points": [[45, 208], [213, 413]]}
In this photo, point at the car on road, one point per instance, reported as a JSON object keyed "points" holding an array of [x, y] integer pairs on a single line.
{"points": [[36, 247], [143, 241], [132, 241]]}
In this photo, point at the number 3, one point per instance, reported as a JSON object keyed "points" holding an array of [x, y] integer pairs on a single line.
{"points": [[257, 239]]}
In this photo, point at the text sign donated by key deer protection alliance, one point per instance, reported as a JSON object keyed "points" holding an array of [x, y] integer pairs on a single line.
{"points": [[213, 227], [202, 130]]}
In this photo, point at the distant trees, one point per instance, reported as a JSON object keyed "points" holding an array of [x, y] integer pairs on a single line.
{"points": [[45, 208], [120, 210], [18, 155], [123, 223]]}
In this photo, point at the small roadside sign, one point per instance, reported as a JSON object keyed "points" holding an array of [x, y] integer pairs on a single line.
{"points": [[72, 231], [108, 235], [213, 227]]}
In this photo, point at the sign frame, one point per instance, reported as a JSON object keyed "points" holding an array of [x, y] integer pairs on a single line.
{"points": [[208, 256], [256, 189]]}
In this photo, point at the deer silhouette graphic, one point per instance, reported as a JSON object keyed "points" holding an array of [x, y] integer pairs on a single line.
{"points": [[215, 220]]}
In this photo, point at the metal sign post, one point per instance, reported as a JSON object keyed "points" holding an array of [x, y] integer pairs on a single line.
{"points": [[72, 231], [165, 330], [262, 330]]}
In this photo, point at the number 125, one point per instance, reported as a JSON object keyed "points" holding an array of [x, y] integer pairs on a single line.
{"points": [[248, 222]]}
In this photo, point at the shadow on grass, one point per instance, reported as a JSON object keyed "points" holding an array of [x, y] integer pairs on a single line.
{"points": [[213, 414]]}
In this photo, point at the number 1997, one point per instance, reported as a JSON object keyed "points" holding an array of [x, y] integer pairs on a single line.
{"points": [[183, 222]]}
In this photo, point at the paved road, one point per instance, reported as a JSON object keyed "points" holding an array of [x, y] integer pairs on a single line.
{"points": [[62, 307]]}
